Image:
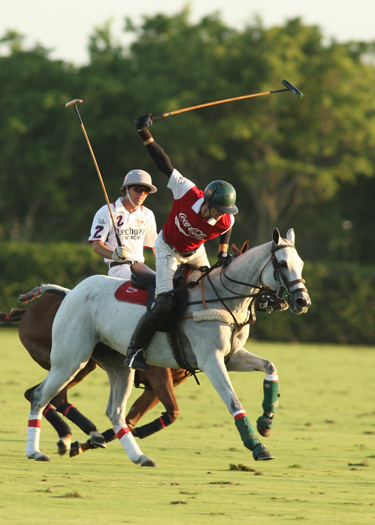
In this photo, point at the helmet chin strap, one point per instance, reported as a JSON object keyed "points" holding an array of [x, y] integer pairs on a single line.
{"points": [[131, 202], [212, 221]]}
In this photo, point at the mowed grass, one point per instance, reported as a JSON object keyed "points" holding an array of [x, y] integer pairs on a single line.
{"points": [[323, 440]]}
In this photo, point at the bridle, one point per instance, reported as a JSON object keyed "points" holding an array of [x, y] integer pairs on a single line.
{"points": [[284, 290]]}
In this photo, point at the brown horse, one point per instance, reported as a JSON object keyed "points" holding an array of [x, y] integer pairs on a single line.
{"points": [[35, 333]]}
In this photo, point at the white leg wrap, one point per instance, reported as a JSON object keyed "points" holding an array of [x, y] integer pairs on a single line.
{"points": [[274, 377], [33, 435], [128, 442]]}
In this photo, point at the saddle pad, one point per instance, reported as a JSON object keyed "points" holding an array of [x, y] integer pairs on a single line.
{"points": [[128, 293]]}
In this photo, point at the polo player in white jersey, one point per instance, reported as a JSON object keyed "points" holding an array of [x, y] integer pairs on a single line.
{"points": [[135, 224]]}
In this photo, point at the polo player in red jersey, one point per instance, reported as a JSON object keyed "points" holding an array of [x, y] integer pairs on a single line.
{"points": [[196, 217]]}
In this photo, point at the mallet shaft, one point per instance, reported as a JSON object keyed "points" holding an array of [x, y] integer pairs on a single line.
{"points": [[74, 103], [289, 87]]}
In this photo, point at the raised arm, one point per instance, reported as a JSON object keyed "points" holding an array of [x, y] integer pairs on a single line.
{"points": [[157, 153]]}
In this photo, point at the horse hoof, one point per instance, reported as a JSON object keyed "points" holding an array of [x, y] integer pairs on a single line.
{"points": [[260, 453], [145, 461], [63, 445], [97, 441], [264, 425], [264, 431], [38, 456], [75, 449]]}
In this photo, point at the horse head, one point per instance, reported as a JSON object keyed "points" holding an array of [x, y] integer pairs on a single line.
{"points": [[283, 272]]}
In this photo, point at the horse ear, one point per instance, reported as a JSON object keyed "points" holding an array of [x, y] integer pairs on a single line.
{"points": [[245, 246], [235, 250], [290, 236], [276, 236]]}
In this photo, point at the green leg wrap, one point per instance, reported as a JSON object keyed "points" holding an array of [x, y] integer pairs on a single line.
{"points": [[271, 396], [247, 433]]}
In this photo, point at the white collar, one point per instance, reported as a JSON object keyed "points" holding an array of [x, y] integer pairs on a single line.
{"points": [[197, 206]]}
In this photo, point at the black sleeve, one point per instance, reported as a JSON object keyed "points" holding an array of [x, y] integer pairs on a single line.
{"points": [[224, 237], [156, 152], [160, 158]]}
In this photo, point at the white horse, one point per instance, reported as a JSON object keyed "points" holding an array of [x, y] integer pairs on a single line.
{"points": [[216, 326]]}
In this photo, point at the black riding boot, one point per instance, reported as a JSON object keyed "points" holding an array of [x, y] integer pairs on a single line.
{"points": [[141, 336], [153, 320]]}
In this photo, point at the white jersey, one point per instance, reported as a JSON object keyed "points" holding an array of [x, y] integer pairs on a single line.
{"points": [[137, 230]]}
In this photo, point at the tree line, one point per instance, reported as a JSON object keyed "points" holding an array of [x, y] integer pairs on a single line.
{"points": [[303, 163], [306, 163]]}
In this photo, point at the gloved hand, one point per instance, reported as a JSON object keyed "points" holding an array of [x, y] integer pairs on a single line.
{"points": [[119, 254], [224, 258], [144, 121]]}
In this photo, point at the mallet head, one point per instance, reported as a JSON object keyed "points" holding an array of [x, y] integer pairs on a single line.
{"points": [[74, 102], [292, 88]]}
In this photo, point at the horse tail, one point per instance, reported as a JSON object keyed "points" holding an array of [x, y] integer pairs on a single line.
{"points": [[42, 289], [14, 315]]}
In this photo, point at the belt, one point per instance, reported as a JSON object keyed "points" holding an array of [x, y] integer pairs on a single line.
{"points": [[183, 254], [111, 265]]}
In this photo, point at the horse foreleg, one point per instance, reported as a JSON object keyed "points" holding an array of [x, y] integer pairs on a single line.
{"points": [[141, 405], [121, 382], [244, 361], [213, 366], [161, 382]]}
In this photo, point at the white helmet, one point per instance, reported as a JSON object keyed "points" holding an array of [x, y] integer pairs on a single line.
{"points": [[134, 177]]}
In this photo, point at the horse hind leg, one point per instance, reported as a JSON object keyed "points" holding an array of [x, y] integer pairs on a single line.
{"points": [[121, 383], [55, 381], [62, 428]]}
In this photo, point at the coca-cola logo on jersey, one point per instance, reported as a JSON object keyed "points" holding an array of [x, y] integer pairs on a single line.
{"points": [[191, 232]]}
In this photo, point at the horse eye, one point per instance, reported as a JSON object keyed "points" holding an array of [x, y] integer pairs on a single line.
{"points": [[283, 264]]}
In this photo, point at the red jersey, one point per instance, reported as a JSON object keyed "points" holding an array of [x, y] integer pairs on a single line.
{"points": [[185, 229]]}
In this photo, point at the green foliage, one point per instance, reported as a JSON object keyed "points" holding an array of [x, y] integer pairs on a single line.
{"points": [[342, 309], [304, 163], [285, 156]]}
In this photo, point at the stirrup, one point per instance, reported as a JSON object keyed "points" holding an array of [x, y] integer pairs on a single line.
{"points": [[134, 359]]}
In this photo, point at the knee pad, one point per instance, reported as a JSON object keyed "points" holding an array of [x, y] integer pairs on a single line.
{"points": [[160, 310]]}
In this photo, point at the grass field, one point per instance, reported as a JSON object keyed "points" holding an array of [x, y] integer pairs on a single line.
{"points": [[323, 440]]}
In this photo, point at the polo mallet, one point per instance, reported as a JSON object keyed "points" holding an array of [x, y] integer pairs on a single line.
{"points": [[288, 87], [75, 103]]}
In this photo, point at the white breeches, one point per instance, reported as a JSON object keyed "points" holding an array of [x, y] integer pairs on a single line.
{"points": [[167, 261], [122, 271]]}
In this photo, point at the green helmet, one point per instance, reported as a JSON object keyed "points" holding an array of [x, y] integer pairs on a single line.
{"points": [[222, 196]]}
